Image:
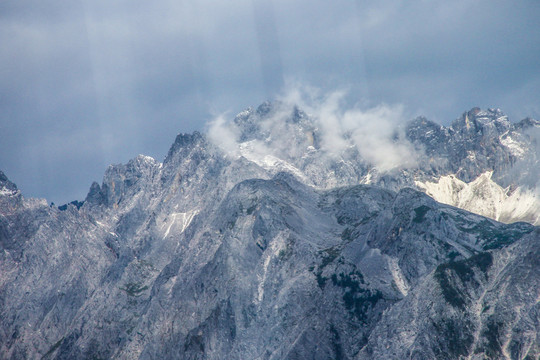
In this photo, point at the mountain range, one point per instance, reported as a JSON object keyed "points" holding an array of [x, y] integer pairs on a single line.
{"points": [[277, 236]]}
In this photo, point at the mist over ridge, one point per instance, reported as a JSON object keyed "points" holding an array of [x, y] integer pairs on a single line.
{"points": [[279, 234], [376, 133]]}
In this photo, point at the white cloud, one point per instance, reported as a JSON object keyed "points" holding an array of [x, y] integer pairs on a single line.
{"points": [[223, 135], [375, 132], [378, 136]]}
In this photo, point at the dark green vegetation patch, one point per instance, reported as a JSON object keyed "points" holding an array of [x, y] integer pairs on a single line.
{"points": [[449, 273], [134, 289], [357, 298], [420, 213]]}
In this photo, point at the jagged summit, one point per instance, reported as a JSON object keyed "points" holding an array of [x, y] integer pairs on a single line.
{"points": [[271, 120], [479, 124], [6, 184], [10, 197], [279, 137], [527, 123], [184, 140]]}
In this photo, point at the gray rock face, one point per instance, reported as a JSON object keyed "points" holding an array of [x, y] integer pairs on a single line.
{"points": [[476, 142], [482, 307], [213, 255]]}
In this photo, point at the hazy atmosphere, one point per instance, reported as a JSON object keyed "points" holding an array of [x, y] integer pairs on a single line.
{"points": [[84, 84]]}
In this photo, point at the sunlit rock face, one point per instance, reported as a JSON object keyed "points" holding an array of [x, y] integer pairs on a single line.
{"points": [[482, 163], [279, 241]]}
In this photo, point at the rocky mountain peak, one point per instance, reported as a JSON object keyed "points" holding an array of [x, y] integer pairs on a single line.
{"points": [[6, 185], [269, 120], [527, 123], [477, 122], [184, 142], [10, 197], [95, 196], [265, 108]]}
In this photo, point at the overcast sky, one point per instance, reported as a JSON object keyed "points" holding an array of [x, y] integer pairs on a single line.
{"points": [[84, 84]]}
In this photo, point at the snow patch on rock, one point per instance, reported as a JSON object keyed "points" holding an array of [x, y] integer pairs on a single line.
{"points": [[397, 275], [180, 220], [485, 197], [516, 147]]}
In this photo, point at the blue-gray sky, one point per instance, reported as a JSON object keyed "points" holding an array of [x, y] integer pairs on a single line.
{"points": [[87, 83]]}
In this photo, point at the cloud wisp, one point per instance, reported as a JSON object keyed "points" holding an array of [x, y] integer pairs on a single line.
{"points": [[375, 133]]}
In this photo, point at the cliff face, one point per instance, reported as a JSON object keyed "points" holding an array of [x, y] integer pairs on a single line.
{"points": [[215, 254]]}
